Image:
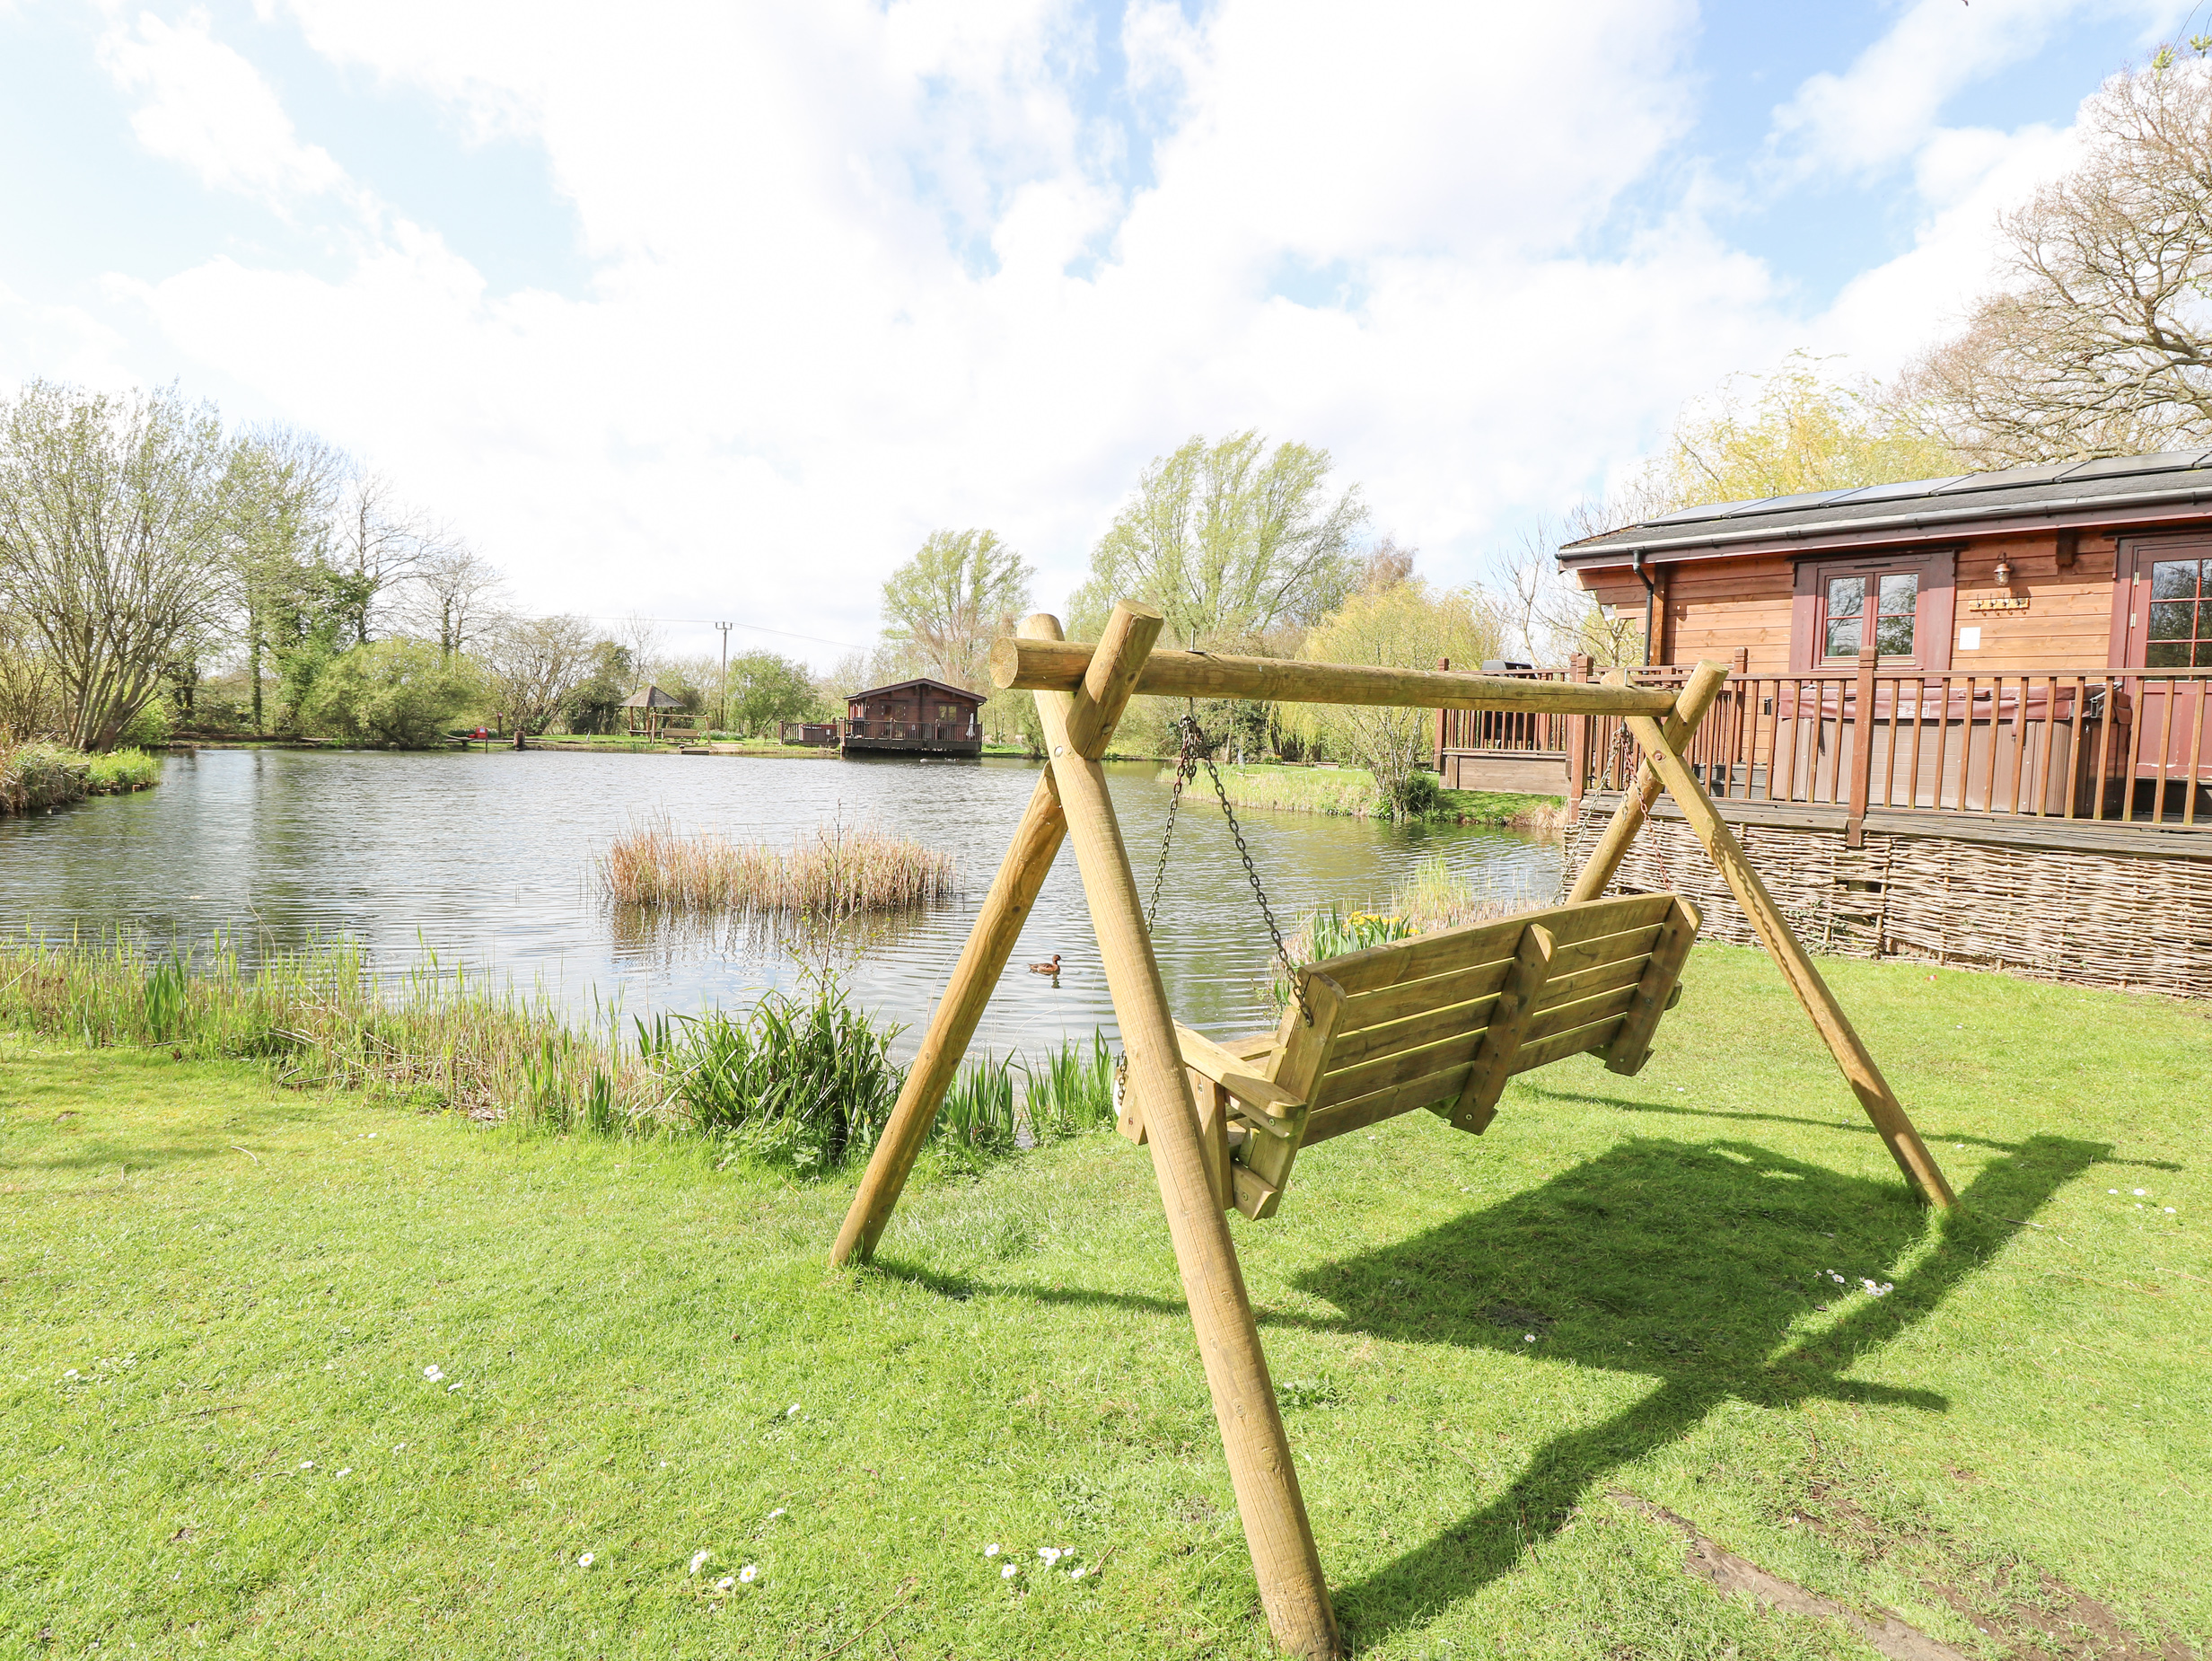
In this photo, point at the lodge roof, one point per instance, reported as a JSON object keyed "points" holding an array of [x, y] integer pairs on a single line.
{"points": [[946, 687], [2128, 489], [650, 698]]}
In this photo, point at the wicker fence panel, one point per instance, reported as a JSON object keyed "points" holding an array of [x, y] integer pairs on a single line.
{"points": [[2141, 921]]}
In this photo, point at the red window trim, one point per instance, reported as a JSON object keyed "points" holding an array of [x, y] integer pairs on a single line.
{"points": [[2131, 554], [1934, 615]]}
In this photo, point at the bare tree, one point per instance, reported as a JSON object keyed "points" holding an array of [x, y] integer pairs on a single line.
{"points": [[1385, 565], [2099, 341], [378, 543], [534, 665], [644, 643], [456, 594], [282, 498], [112, 511]]}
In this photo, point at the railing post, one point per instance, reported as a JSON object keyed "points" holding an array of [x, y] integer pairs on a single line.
{"points": [[1577, 740], [1861, 736], [1444, 718]]}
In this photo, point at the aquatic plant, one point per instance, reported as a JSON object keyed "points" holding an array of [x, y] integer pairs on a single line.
{"points": [[836, 871], [36, 774], [804, 1081]]}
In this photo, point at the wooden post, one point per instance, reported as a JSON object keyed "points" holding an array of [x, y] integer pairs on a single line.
{"points": [[1834, 1026], [1698, 694], [1577, 741], [1284, 1557], [991, 941], [1444, 717], [1863, 737], [1509, 1021]]}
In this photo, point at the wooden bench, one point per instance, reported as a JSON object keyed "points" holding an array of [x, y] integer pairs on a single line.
{"points": [[1438, 1022]]}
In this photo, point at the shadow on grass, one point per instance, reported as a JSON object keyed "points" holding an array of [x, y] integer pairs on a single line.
{"points": [[1688, 1264]]}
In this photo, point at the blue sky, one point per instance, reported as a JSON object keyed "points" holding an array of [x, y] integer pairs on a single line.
{"points": [[716, 310]]}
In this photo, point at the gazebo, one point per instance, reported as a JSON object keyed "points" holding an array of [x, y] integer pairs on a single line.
{"points": [[645, 706]]}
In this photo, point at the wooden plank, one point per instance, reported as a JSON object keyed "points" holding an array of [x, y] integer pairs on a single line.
{"points": [[1603, 865], [1662, 974], [1297, 1069], [1232, 1073], [1267, 1160], [1052, 665], [1835, 1028], [1338, 1087], [952, 1023], [1501, 1041], [1284, 1561], [1374, 1010], [1434, 1090], [1492, 941]]}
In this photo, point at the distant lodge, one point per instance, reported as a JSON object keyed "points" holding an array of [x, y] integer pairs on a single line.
{"points": [[910, 717], [1967, 719]]}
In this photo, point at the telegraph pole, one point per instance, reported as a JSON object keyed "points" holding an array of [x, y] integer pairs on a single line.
{"points": [[722, 719]]}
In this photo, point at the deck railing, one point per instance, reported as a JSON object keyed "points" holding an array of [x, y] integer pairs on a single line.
{"points": [[2118, 744], [1521, 732], [917, 732]]}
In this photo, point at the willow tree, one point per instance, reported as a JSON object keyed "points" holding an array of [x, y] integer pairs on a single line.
{"points": [[112, 519], [1408, 625], [943, 608], [1231, 542]]}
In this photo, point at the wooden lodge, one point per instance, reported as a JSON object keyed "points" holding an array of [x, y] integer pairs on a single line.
{"points": [[913, 718], [1967, 717]]}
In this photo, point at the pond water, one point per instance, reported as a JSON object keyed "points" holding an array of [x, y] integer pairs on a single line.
{"points": [[487, 860]]}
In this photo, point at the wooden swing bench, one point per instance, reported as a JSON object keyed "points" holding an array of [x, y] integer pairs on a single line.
{"points": [[1440, 1022]]}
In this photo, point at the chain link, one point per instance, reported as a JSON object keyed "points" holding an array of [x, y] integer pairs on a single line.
{"points": [[1195, 740]]}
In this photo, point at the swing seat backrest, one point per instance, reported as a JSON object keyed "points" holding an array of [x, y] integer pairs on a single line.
{"points": [[1443, 1020]]}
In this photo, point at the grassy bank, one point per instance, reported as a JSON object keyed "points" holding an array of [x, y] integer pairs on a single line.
{"points": [[293, 1373], [38, 776], [1351, 792], [836, 872], [803, 1084]]}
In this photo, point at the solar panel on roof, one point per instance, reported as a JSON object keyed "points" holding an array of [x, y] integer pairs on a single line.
{"points": [[1711, 510], [1908, 486], [1781, 504], [2005, 478], [2123, 466]]}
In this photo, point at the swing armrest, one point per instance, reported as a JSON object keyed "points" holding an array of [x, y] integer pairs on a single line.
{"points": [[1236, 1075]]}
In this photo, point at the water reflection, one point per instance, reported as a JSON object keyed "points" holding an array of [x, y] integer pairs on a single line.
{"points": [[487, 860]]}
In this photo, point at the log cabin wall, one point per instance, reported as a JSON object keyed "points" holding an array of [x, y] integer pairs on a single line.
{"points": [[1710, 607]]}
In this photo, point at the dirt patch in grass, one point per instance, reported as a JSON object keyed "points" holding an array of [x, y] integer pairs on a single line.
{"points": [[2032, 1612]]}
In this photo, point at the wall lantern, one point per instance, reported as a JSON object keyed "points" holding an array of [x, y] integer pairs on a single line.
{"points": [[2004, 572]]}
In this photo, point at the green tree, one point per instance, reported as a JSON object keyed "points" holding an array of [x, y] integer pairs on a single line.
{"points": [[400, 693], [1406, 626], [765, 689], [1231, 542], [960, 591], [283, 491], [1785, 433], [111, 509]]}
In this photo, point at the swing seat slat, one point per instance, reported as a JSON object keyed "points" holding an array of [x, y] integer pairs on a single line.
{"points": [[1440, 1022]]}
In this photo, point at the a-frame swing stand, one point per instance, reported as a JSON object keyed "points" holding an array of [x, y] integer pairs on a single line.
{"points": [[1081, 693]]}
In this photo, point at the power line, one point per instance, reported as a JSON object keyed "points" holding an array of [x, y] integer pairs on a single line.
{"points": [[700, 622]]}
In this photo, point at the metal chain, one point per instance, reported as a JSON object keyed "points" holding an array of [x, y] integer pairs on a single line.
{"points": [[1282, 951], [1186, 769]]}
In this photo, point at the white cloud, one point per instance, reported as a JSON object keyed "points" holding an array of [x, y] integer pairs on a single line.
{"points": [[861, 270], [205, 106], [1887, 105]]}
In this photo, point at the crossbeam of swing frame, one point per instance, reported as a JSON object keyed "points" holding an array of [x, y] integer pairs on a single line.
{"points": [[1082, 691]]}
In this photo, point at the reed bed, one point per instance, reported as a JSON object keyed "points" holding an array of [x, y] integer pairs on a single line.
{"points": [[805, 1083], [836, 872], [36, 776]]}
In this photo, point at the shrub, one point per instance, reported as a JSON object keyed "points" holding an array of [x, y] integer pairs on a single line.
{"points": [[151, 725], [399, 692], [37, 776], [119, 771]]}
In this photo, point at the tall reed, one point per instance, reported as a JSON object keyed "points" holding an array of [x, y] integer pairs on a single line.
{"points": [[836, 871], [806, 1082]]}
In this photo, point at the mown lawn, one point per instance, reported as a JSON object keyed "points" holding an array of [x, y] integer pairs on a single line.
{"points": [[219, 1301]]}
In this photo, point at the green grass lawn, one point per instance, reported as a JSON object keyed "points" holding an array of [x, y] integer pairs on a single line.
{"points": [[220, 1301]]}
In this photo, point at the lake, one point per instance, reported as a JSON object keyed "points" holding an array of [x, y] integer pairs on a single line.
{"points": [[486, 860]]}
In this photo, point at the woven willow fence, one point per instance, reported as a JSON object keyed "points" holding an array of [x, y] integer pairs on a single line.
{"points": [[2140, 921]]}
